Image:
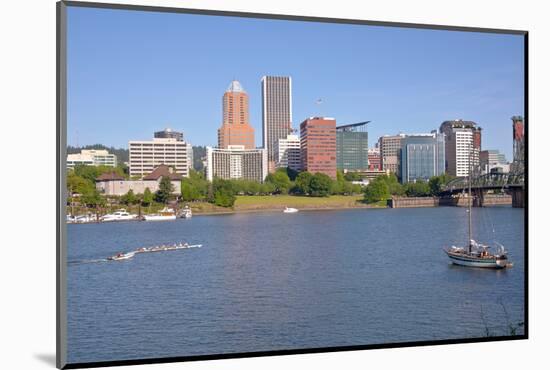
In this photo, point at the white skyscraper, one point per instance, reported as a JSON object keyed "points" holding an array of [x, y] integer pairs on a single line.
{"points": [[288, 153], [276, 114]]}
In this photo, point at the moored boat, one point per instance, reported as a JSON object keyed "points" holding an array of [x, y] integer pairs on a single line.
{"points": [[186, 213], [118, 215], [166, 214], [290, 210], [477, 254]]}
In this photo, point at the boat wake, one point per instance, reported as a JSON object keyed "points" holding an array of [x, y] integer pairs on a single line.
{"points": [[83, 262], [128, 255]]}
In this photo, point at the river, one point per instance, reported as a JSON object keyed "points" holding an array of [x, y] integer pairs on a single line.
{"points": [[274, 281]]}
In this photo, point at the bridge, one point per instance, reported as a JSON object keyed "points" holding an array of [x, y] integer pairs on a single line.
{"points": [[512, 183]]}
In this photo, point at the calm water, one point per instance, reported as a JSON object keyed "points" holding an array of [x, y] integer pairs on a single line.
{"points": [[276, 281]]}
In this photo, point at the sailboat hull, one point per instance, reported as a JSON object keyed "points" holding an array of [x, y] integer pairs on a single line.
{"points": [[463, 260]]}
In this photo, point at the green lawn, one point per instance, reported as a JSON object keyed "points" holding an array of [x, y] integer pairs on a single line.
{"points": [[281, 201]]}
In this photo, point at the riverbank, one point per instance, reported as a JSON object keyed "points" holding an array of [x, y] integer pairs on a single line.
{"points": [[276, 203]]}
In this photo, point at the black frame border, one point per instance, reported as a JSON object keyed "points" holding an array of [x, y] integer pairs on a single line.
{"points": [[61, 126]]}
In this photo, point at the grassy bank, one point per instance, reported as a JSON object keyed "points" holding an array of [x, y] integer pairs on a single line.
{"points": [[256, 203], [277, 202]]}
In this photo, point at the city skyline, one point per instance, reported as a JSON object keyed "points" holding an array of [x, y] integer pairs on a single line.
{"points": [[432, 76]]}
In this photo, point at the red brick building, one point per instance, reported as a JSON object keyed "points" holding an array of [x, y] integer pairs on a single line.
{"points": [[318, 145], [375, 159], [235, 129]]}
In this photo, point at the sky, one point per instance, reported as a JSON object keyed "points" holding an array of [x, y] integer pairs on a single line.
{"points": [[131, 73]]}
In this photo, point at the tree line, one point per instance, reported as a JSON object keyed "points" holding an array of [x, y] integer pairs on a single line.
{"points": [[81, 183], [283, 181], [385, 186], [81, 186]]}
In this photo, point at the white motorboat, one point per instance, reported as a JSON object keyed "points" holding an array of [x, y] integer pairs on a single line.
{"points": [[290, 210], [165, 214], [81, 219], [118, 215], [121, 256], [186, 213]]}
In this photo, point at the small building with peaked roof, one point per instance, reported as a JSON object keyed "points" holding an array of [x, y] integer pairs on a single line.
{"points": [[113, 184]]}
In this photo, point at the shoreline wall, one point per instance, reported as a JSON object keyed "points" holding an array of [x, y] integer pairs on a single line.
{"points": [[461, 201]]}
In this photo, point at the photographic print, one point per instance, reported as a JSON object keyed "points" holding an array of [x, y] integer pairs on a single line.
{"points": [[239, 185]]}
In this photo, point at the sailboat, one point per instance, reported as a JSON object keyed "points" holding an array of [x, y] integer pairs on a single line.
{"points": [[477, 254]]}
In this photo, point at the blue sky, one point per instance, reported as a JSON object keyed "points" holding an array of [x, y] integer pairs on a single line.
{"points": [[131, 73]]}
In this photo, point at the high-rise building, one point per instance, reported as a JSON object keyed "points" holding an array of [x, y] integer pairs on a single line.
{"points": [[235, 129], [145, 156], [91, 157], [168, 133], [276, 114], [519, 144], [318, 145], [288, 153], [493, 160], [462, 147], [422, 156], [375, 160], [390, 147], [352, 149], [236, 162]]}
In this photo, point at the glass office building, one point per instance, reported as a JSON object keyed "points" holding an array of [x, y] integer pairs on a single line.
{"points": [[352, 149], [422, 156]]}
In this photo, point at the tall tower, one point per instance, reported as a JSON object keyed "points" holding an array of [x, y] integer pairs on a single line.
{"points": [[519, 144], [462, 147], [276, 114], [235, 129]]}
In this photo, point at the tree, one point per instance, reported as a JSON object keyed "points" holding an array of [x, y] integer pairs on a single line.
{"points": [[302, 184], [189, 193], [78, 184], [92, 198], [280, 180], [91, 173], [147, 198], [267, 188], [417, 189], [129, 198], [195, 187], [165, 190], [353, 176], [436, 183], [377, 190], [394, 186], [223, 193], [320, 185]]}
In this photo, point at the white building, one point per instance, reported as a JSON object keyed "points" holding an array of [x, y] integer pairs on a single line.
{"points": [[288, 153], [462, 146], [276, 114], [147, 155], [236, 162], [91, 157], [493, 161], [465, 156]]}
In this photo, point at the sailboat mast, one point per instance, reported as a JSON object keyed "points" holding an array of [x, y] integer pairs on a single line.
{"points": [[470, 203]]}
